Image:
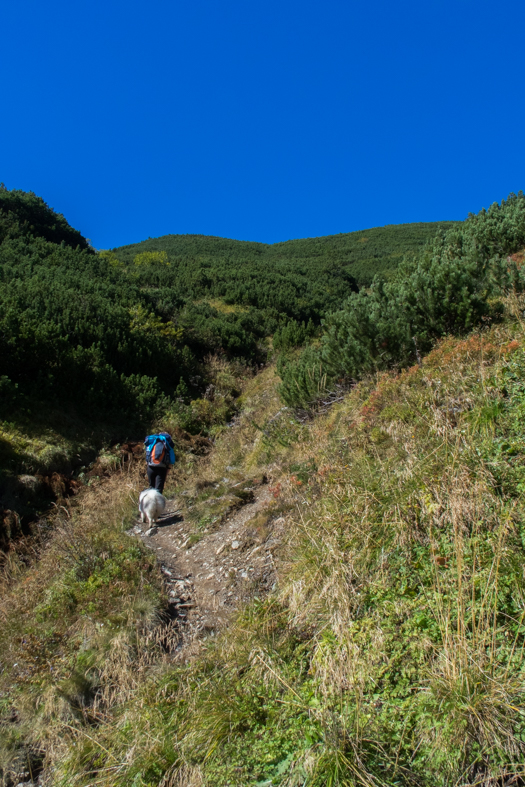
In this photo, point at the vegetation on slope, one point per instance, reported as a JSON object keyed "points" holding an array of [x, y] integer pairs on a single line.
{"points": [[74, 329], [72, 622], [97, 346], [302, 279], [89, 357], [446, 289], [392, 650]]}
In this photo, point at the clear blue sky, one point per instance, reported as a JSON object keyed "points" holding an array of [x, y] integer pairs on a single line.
{"points": [[261, 120]]}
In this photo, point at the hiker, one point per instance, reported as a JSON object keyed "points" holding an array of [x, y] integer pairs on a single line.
{"points": [[159, 457]]}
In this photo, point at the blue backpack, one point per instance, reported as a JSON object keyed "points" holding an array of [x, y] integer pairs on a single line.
{"points": [[159, 450]]}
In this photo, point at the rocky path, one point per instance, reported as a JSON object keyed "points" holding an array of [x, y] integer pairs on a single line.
{"points": [[209, 579]]}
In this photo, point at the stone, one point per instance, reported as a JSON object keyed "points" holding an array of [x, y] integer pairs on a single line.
{"points": [[30, 482], [236, 544], [218, 552], [151, 531]]}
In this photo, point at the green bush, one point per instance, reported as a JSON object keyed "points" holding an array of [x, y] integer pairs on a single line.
{"points": [[123, 333], [293, 334], [448, 289], [303, 378]]}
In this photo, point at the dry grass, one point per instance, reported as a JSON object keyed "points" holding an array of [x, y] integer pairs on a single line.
{"points": [[391, 652], [81, 624], [239, 446], [225, 308]]}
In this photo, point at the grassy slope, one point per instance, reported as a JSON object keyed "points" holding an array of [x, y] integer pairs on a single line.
{"points": [[36, 443], [38, 439], [391, 652], [71, 623], [364, 253]]}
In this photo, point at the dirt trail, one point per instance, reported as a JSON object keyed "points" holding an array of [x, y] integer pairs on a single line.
{"points": [[228, 566]]}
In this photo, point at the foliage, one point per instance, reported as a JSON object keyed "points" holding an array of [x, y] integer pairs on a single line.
{"points": [[151, 258], [303, 377], [23, 213], [124, 333], [392, 650], [447, 289], [242, 270], [79, 330], [293, 334]]}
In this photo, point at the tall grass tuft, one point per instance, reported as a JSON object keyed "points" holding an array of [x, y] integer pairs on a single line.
{"points": [[391, 651]]}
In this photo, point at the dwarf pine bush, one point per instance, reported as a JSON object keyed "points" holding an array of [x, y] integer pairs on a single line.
{"points": [[447, 289]]}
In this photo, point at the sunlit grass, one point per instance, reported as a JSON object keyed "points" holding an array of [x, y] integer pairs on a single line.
{"points": [[391, 649]]}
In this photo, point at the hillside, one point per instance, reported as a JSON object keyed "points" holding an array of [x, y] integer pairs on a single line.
{"points": [[97, 346], [335, 594], [223, 264], [356, 620]]}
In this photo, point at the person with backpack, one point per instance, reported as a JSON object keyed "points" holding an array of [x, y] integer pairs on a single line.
{"points": [[159, 457]]}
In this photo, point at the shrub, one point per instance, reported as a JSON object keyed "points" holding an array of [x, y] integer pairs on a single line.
{"points": [[448, 289], [293, 334]]}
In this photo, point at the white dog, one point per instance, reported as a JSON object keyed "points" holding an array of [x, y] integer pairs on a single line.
{"points": [[151, 505]]}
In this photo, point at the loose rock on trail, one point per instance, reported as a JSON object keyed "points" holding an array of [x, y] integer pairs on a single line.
{"points": [[208, 580]]}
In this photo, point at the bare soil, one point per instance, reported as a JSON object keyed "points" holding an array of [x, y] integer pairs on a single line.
{"points": [[210, 579]]}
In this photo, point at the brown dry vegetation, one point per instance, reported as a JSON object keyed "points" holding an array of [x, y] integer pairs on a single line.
{"points": [[391, 650], [80, 625]]}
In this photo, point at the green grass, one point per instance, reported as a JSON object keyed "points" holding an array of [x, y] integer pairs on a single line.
{"points": [[76, 625], [392, 649], [50, 441], [36, 443]]}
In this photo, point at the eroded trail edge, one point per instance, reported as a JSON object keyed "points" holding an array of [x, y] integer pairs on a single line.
{"points": [[208, 580]]}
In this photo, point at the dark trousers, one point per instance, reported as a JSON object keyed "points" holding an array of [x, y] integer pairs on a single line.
{"points": [[157, 477]]}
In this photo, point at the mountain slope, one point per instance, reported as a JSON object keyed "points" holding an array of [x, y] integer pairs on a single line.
{"points": [[362, 619], [96, 346], [362, 254], [389, 652]]}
